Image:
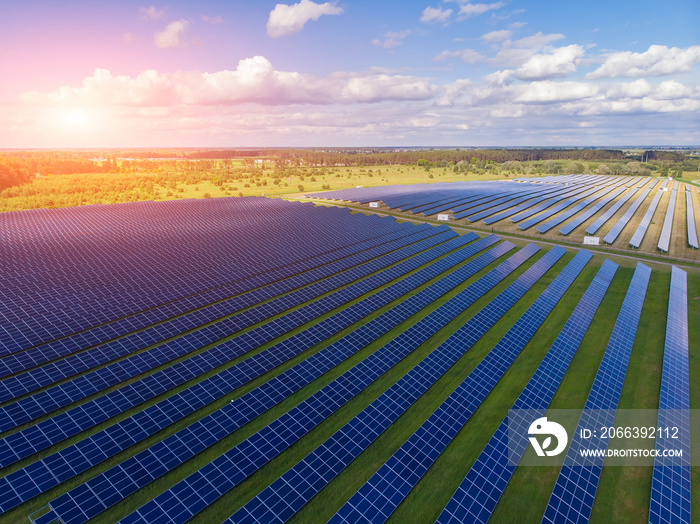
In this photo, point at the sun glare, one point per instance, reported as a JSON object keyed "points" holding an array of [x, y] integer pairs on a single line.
{"points": [[75, 118]]}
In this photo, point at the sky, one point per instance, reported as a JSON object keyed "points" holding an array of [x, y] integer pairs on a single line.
{"points": [[218, 73]]}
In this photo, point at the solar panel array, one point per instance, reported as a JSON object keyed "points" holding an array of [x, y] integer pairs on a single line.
{"points": [[186, 498], [595, 226], [626, 217], [69, 285], [30, 408], [25, 383], [690, 220], [60, 466], [385, 490], [477, 495], [293, 489], [670, 485], [641, 230], [568, 228], [665, 237], [573, 494], [112, 377]]}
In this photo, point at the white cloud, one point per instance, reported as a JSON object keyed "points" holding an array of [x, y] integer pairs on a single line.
{"points": [[392, 39], [558, 63], [468, 9], [658, 60], [672, 90], [468, 56], [432, 15], [636, 89], [290, 19], [497, 36], [151, 13], [171, 36], [213, 20], [538, 40], [254, 81], [551, 92], [514, 54], [499, 77]]}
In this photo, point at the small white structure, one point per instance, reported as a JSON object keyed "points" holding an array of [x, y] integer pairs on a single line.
{"points": [[591, 241], [443, 217], [358, 187], [374, 204]]}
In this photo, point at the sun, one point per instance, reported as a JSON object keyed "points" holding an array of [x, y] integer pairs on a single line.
{"points": [[76, 118]]}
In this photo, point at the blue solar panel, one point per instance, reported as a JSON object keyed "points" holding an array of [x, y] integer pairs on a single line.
{"points": [[83, 267], [385, 490], [665, 237], [308, 272], [690, 220], [30, 408], [626, 217], [308, 476], [670, 485], [476, 497], [644, 224], [322, 404], [127, 432], [547, 203], [595, 226], [577, 208], [518, 198], [568, 228], [574, 491], [547, 194]]}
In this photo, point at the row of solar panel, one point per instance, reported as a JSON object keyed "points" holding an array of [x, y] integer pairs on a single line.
{"points": [[671, 485], [483, 203], [84, 416], [574, 491], [274, 438], [479, 492], [293, 489], [185, 402], [40, 377], [385, 490], [272, 283], [86, 293]]}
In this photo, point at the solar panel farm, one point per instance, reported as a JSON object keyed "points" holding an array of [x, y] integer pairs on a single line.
{"points": [[351, 357]]}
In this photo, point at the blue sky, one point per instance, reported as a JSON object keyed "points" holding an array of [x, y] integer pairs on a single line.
{"points": [[349, 73]]}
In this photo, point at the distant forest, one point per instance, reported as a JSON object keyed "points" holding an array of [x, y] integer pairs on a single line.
{"points": [[19, 167]]}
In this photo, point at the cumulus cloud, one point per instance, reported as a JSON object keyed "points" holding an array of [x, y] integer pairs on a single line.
{"points": [[515, 53], [557, 63], [213, 20], [497, 36], [290, 19], [551, 92], [636, 89], [658, 60], [432, 15], [499, 77], [538, 40], [468, 56], [468, 9], [151, 13], [254, 81], [392, 39], [172, 35]]}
